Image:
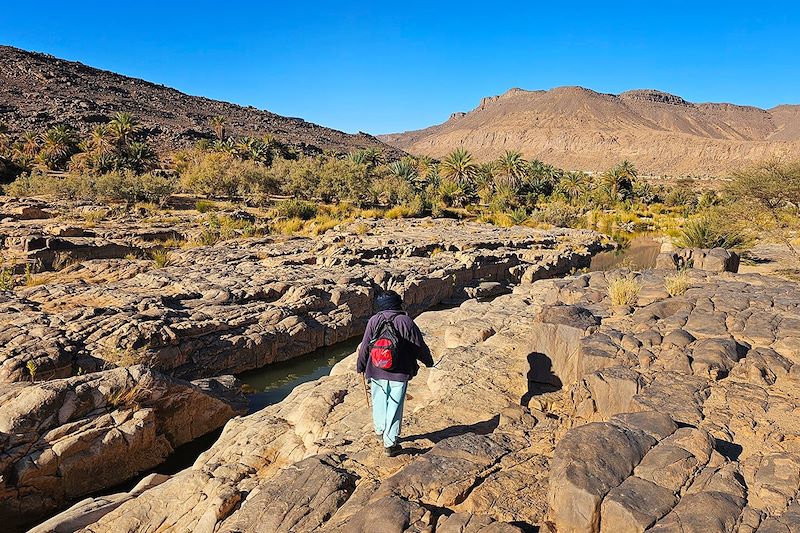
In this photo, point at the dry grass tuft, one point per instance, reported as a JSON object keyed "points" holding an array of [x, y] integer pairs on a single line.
{"points": [[677, 284], [624, 290], [161, 258], [130, 396]]}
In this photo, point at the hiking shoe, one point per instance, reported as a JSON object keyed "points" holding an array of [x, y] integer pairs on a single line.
{"points": [[391, 451]]}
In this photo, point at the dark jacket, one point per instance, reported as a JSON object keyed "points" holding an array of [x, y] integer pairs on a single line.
{"points": [[415, 348]]}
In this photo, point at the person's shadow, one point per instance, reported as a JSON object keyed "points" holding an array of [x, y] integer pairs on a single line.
{"points": [[479, 428], [541, 378]]}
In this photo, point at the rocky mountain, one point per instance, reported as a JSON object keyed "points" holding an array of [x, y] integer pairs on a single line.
{"points": [[38, 90], [578, 128]]}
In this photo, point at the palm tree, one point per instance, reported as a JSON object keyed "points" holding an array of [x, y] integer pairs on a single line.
{"points": [[485, 176], [359, 157], [123, 127], [512, 168], [459, 167], [28, 145], [100, 141], [627, 168], [618, 181], [58, 144], [139, 157], [218, 125], [573, 185], [404, 169]]}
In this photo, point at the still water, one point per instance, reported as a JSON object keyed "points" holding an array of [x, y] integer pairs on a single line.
{"points": [[639, 253], [273, 383]]}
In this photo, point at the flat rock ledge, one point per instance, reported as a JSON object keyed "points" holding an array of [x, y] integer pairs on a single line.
{"points": [[241, 305], [548, 408]]}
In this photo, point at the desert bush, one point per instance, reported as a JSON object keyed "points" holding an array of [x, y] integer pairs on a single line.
{"points": [[677, 284], [558, 214], [709, 199], [67, 187], [414, 208], [708, 231], [680, 197], [222, 174], [392, 190], [124, 357], [130, 187], [320, 224], [503, 200], [624, 290], [767, 196], [295, 209], [124, 186], [343, 180]]}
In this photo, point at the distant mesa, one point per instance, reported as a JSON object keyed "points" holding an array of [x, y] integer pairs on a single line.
{"points": [[581, 129]]}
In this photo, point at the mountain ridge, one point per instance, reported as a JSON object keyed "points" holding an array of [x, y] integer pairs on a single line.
{"points": [[581, 129], [38, 90]]}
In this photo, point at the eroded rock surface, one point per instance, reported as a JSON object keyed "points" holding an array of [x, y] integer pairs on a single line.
{"points": [[244, 304], [65, 438], [680, 415]]}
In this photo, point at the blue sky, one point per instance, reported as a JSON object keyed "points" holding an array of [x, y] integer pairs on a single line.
{"points": [[384, 67]]}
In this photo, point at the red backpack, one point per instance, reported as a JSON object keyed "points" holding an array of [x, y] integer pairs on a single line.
{"points": [[384, 348]]}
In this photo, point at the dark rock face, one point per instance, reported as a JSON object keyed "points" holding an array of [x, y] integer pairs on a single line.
{"points": [[38, 90]]}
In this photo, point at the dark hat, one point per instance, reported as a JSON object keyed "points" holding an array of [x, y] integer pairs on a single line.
{"points": [[388, 300]]}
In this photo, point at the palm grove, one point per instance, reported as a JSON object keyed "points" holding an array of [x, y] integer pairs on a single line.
{"points": [[115, 163]]}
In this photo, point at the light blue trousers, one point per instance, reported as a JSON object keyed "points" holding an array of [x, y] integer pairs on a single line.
{"points": [[388, 398]]}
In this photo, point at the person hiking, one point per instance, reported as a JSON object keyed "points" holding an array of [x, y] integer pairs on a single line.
{"points": [[388, 356]]}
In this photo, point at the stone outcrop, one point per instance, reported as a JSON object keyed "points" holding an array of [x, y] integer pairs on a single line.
{"points": [[243, 304], [713, 259], [62, 439], [678, 414]]}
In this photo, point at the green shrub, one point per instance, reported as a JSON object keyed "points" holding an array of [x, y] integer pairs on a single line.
{"points": [[221, 174], [708, 232], [295, 209], [7, 280], [558, 214], [392, 190], [680, 197], [130, 187], [124, 186], [518, 216]]}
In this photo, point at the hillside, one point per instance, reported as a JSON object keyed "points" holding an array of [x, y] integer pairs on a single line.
{"points": [[38, 90], [580, 129]]}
